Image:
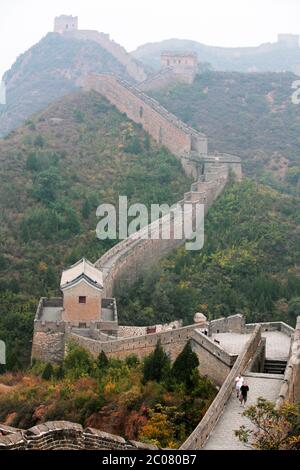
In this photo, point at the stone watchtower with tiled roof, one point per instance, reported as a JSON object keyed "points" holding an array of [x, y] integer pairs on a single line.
{"points": [[82, 310], [82, 287]]}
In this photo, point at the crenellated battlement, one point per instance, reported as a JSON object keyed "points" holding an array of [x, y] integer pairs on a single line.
{"points": [[64, 435]]}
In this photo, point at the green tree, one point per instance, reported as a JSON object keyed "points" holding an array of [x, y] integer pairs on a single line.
{"points": [[48, 372], [294, 308], [78, 362], [271, 428], [39, 141], [32, 163], [59, 373], [157, 365], [185, 365], [46, 185], [102, 361]]}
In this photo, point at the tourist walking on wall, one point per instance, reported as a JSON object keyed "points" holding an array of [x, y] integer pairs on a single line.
{"points": [[239, 380], [244, 393]]}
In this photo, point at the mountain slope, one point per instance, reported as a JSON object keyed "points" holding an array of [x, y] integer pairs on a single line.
{"points": [[54, 172], [250, 115], [49, 70], [250, 264], [267, 57]]}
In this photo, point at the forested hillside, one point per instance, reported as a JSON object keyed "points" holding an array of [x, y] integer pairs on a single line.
{"points": [[54, 172], [250, 264]]}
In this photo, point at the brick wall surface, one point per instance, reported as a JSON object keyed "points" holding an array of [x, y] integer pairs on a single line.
{"points": [[290, 389]]}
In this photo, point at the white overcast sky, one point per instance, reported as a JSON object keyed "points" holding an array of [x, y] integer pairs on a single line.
{"points": [[135, 22]]}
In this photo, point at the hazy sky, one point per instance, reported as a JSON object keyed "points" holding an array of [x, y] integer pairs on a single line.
{"points": [[134, 22]]}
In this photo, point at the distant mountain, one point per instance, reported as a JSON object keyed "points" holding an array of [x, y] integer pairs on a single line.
{"points": [[53, 67], [275, 57]]}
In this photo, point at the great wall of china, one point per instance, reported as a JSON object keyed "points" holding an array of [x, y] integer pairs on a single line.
{"points": [[230, 347]]}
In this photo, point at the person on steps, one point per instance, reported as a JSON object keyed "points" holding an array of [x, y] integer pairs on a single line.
{"points": [[244, 393], [238, 383]]}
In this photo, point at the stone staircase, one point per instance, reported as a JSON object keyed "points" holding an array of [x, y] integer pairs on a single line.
{"points": [[273, 366]]}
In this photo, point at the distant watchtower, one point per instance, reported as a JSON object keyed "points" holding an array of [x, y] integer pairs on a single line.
{"points": [[64, 23], [182, 63]]}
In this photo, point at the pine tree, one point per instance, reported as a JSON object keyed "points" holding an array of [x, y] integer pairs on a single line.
{"points": [[48, 372], [156, 365], [185, 365], [102, 361]]}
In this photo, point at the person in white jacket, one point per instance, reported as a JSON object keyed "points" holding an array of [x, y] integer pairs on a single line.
{"points": [[239, 380]]}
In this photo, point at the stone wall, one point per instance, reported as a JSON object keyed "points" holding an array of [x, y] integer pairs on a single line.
{"points": [[173, 342], [271, 326], [199, 436], [76, 312], [129, 331], [123, 264], [163, 126], [290, 389], [232, 324], [48, 346], [214, 361], [63, 435]]}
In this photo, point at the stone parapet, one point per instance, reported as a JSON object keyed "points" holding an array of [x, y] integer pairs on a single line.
{"points": [[199, 436], [64, 435], [290, 389]]}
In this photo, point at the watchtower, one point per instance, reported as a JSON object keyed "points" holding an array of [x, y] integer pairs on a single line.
{"points": [[65, 23], [82, 287], [183, 64]]}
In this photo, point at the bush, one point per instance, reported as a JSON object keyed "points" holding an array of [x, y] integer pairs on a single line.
{"points": [[132, 360], [294, 307], [32, 163], [78, 362], [48, 372], [39, 141], [102, 361]]}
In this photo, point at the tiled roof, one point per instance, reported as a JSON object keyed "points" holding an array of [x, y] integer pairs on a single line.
{"points": [[82, 268]]}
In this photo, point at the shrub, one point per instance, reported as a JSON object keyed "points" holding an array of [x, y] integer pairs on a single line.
{"points": [[32, 163], [78, 362], [132, 360], [102, 361], [39, 141], [48, 372]]}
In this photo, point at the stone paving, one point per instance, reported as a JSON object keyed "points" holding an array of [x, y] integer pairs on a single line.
{"points": [[277, 345], [222, 437]]}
